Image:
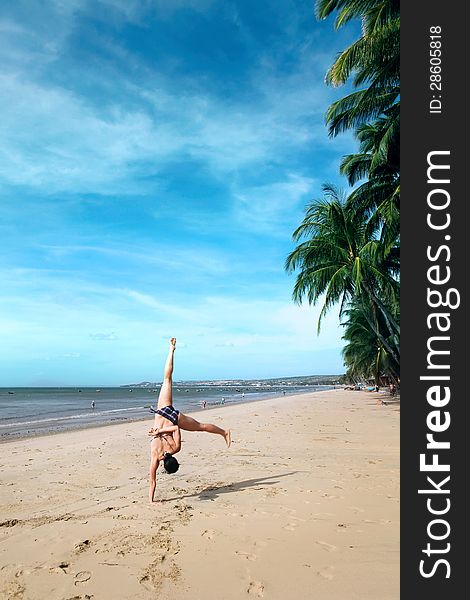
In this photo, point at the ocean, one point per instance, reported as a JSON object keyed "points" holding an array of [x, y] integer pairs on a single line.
{"points": [[26, 412]]}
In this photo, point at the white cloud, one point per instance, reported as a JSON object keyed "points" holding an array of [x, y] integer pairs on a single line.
{"points": [[165, 309], [175, 258], [42, 320], [271, 206], [137, 11], [56, 140], [104, 337], [59, 140]]}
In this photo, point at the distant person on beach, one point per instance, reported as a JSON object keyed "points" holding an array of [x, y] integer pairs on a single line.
{"points": [[93, 405], [204, 404], [166, 430]]}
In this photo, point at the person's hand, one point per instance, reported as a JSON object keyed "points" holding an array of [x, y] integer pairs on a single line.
{"points": [[153, 432]]}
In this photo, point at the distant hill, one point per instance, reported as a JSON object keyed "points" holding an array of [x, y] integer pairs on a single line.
{"points": [[277, 381]]}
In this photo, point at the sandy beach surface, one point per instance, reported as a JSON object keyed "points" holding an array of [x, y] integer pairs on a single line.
{"points": [[305, 504]]}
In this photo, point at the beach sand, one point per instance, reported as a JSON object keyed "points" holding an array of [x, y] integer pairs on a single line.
{"points": [[304, 504]]}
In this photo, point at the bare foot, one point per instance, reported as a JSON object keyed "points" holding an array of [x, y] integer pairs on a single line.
{"points": [[173, 343], [228, 438]]}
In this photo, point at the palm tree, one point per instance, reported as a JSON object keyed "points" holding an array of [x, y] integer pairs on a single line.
{"points": [[348, 247], [364, 355], [374, 60], [378, 149], [341, 259], [378, 198], [374, 112], [374, 12]]}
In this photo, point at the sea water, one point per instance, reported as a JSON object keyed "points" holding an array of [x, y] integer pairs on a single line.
{"points": [[26, 412]]}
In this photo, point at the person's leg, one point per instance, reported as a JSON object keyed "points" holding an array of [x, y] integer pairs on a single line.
{"points": [[190, 424], [165, 398]]}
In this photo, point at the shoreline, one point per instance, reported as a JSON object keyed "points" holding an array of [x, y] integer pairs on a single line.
{"points": [[309, 488], [5, 438]]}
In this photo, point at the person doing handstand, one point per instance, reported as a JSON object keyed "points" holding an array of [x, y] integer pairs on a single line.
{"points": [[167, 424]]}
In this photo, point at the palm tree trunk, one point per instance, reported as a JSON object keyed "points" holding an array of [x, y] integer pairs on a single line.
{"points": [[380, 337], [392, 325]]}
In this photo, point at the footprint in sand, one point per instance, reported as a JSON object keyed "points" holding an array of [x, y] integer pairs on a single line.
{"points": [[256, 588], [82, 546], [357, 509], [290, 526], [9, 523], [246, 555], [82, 577], [209, 534], [208, 515], [326, 546], [272, 514], [326, 572], [146, 582]]}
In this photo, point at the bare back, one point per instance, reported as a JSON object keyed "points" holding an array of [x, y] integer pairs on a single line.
{"points": [[163, 443]]}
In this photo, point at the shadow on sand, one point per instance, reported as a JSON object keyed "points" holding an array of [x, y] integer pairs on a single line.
{"points": [[212, 492]]}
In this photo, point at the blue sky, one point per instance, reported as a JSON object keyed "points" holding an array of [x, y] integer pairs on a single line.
{"points": [[156, 156]]}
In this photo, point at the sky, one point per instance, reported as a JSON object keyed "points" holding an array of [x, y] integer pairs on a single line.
{"points": [[155, 158]]}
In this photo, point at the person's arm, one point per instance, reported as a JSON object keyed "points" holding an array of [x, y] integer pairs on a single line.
{"points": [[154, 462], [177, 440], [157, 431]]}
